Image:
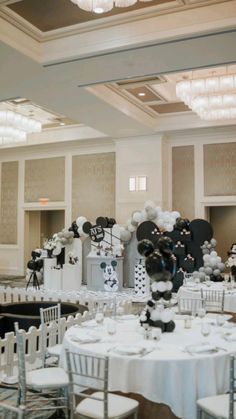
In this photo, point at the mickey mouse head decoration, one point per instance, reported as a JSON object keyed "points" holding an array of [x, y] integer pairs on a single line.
{"points": [[111, 282]]}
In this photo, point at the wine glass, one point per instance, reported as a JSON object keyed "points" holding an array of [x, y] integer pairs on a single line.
{"points": [[205, 329]]}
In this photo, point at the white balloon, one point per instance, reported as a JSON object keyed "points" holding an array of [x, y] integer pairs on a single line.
{"points": [[143, 215], [176, 214], [218, 259], [169, 285], [81, 232], [154, 286], [137, 216], [56, 251], [131, 228], [167, 315], [214, 254], [160, 223], [125, 235], [169, 227], [149, 204], [155, 315], [161, 286], [80, 221], [206, 258], [158, 209]]}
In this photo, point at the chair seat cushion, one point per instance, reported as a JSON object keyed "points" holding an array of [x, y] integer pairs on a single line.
{"points": [[46, 378], [54, 350], [117, 406], [217, 406]]}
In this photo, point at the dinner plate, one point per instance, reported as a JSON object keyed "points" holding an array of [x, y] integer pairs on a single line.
{"points": [[201, 348], [213, 316]]}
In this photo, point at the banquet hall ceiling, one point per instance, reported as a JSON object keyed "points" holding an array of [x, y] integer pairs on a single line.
{"points": [[48, 15], [101, 90]]}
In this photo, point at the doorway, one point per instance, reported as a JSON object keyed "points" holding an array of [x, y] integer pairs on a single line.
{"points": [[223, 221], [39, 226]]}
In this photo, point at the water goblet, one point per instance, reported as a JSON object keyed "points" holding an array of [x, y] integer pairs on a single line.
{"points": [[205, 329]]}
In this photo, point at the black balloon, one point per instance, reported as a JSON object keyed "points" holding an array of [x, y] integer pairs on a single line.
{"points": [[170, 265], [181, 224], [145, 247], [39, 264], [155, 265], [156, 295], [157, 323], [170, 326], [165, 245], [167, 295]]}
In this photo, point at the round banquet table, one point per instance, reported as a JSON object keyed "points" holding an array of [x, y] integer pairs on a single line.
{"points": [[192, 290], [166, 373]]}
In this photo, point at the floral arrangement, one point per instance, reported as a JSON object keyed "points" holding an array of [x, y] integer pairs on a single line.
{"points": [[231, 261], [49, 244], [72, 258]]}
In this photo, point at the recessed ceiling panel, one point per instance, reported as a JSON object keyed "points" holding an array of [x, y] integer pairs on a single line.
{"points": [[170, 108], [48, 15]]}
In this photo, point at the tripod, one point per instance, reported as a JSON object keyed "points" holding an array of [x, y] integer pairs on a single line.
{"points": [[34, 280]]}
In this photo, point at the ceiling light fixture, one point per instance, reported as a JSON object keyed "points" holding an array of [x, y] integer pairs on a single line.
{"points": [[211, 98], [14, 127], [103, 6], [142, 94]]}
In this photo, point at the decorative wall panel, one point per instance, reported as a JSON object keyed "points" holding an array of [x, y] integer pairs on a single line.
{"points": [[219, 169], [9, 200], [183, 180], [93, 185], [45, 178]]}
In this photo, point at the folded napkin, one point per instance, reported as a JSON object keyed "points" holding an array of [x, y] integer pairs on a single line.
{"points": [[84, 337], [230, 338], [129, 350], [201, 348]]}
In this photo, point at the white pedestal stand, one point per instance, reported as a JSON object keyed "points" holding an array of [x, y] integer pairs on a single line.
{"points": [[71, 277], [47, 274], [141, 280], [76, 248]]}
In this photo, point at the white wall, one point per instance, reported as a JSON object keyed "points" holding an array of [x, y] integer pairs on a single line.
{"points": [[138, 157]]}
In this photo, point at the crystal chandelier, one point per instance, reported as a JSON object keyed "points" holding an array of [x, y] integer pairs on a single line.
{"points": [[14, 127], [103, 6], [211, 98]]}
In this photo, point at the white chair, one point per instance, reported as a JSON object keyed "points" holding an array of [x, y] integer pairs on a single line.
{"points": [[190, 305], [214, 300], [17, 412], [92, 371], [222, 406], [51, 380], [51, 344]]}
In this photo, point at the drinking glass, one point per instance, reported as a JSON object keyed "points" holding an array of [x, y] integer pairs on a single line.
{"points": [[201, 313], [205, 329], [111, 327], [220, 320], [99, 318]]}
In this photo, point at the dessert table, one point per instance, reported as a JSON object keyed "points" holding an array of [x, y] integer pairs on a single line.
{"points": [[167, 371], [193, 290]]}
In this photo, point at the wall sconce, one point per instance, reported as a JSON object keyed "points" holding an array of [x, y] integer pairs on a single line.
{"points": [[137, 183]]}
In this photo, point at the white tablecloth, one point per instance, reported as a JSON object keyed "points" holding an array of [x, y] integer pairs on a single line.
{"points": [[193, 290], [168, 374]]}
